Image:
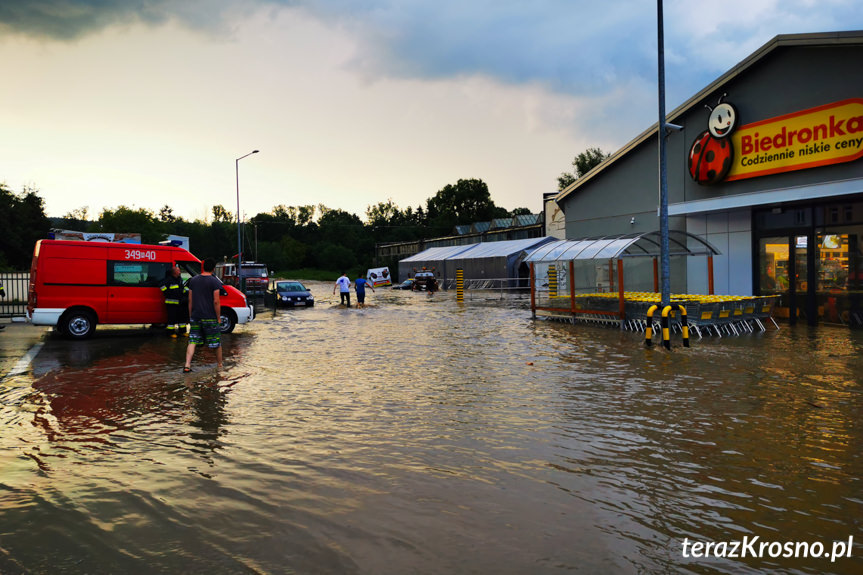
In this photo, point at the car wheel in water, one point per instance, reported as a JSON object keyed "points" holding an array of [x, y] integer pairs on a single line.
{"points": [[227, 322], [78, 324]]}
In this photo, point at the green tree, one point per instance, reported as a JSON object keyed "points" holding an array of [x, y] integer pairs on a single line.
{"points": [[220, 214], [583, 163], [76, 220], [166, 214], [466, 202], [293, 252], [383, 214], [127, 220], [78, 214], [22, 223], [564, 180], [333, 256]]}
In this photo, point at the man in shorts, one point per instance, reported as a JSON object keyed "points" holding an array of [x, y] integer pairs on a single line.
{"points": [[360, 285], [204, 310]]}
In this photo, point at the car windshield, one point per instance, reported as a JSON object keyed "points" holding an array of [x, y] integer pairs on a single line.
{"points": [[255, 271], [189, 269], [290, 286]]}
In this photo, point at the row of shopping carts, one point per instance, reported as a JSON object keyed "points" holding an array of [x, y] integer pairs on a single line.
{"points": [[705, 314]]}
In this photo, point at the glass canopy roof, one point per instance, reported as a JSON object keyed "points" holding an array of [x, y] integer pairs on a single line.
{"points": [[629, 245]]}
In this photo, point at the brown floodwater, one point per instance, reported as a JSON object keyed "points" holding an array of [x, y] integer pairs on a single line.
{"points": [[420, 435]]}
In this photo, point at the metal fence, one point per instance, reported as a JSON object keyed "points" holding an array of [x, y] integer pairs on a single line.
{"points": [[518, 288], [16, 286]]}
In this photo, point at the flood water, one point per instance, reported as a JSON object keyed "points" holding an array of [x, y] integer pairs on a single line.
{"points": [[420, 435]]}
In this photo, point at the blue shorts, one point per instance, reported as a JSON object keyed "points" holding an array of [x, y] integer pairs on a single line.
{"points": [[207, 331]]}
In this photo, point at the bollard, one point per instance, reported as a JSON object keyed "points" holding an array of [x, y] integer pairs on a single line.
{"points": [[648, 333], [552, 281], [459, 285], [684, 325], [666, 333]]}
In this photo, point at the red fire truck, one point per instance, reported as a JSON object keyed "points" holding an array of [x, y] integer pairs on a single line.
{"points": [[255, 274]]}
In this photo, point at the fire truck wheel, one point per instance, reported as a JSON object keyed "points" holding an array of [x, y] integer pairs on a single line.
{"points": [[228, 321], [78, 324]]}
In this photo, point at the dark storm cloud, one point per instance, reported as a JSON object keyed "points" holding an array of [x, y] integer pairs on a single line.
{"points": [[578, 47], [73, 19], [69, 19], [561, 43]]}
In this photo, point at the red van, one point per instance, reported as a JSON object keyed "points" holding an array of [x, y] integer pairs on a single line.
{"points": [[76, 285]]}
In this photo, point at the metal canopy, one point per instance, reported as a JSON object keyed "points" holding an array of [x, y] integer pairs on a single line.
{"points": [[627, 245]]}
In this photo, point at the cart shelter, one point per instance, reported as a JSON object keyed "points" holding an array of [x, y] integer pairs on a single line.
{"points": [[484, 265], [564, 272], [431, 259], [495, 264]]}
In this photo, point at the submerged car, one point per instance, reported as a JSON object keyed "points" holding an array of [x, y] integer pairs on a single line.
{"points": [[424, 280], [292, 293], [407, 284]]}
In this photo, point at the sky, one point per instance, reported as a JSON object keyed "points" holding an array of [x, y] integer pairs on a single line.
{"points": [[146, 103]]}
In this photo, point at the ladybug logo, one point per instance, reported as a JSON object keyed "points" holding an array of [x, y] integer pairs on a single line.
{"points": [[712, 154]]}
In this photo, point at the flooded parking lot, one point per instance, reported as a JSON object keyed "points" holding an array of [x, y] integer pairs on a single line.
{"points": [[420, 435]]}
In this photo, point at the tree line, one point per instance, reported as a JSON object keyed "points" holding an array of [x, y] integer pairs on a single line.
{"points": [[285, 238]]}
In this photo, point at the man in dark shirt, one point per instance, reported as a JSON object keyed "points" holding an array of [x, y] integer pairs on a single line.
{"points": [[204, 310]]}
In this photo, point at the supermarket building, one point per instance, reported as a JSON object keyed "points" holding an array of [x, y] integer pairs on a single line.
{"points": [[765, 164]]}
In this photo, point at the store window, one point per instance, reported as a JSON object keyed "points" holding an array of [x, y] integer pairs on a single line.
{"points": [[839, 266]]}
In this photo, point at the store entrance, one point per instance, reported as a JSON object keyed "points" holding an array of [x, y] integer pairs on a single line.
{"points": [[785, 271], [812, 258]]}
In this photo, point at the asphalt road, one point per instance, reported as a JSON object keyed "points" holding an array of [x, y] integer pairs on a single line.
{"points": [[18, 342]]}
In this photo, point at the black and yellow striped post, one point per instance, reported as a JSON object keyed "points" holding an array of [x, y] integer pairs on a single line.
{"points": [[552, 281], [684, 325], [459, 285], [666, 332], [648, 333]]}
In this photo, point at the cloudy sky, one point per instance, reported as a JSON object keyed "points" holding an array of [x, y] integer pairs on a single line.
{"points": [[145, 103]]}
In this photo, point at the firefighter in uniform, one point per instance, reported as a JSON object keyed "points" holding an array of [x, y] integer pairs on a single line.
{"points": [[176, 301], [2, 295]]}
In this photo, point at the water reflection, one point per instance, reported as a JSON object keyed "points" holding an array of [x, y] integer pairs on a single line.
{"points": [[419, 435]]}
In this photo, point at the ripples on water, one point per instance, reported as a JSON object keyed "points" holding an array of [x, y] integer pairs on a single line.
{"points": [[421, 436]]}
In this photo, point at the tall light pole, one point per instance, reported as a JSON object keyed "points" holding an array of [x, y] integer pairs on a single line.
{"points": [[239, 239], [665, 264]]}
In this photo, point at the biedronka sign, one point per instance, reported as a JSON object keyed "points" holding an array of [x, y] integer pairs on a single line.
{"points": [[821, 136]]}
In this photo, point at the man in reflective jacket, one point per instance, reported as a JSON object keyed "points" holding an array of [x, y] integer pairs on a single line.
{"points": [[176, 302]]}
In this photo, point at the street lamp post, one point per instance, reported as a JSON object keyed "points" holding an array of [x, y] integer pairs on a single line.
{"points": [[665, 264], [239, 239]]}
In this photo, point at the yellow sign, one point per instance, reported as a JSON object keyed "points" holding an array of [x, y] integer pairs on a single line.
{"points": [[829, 134]]}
